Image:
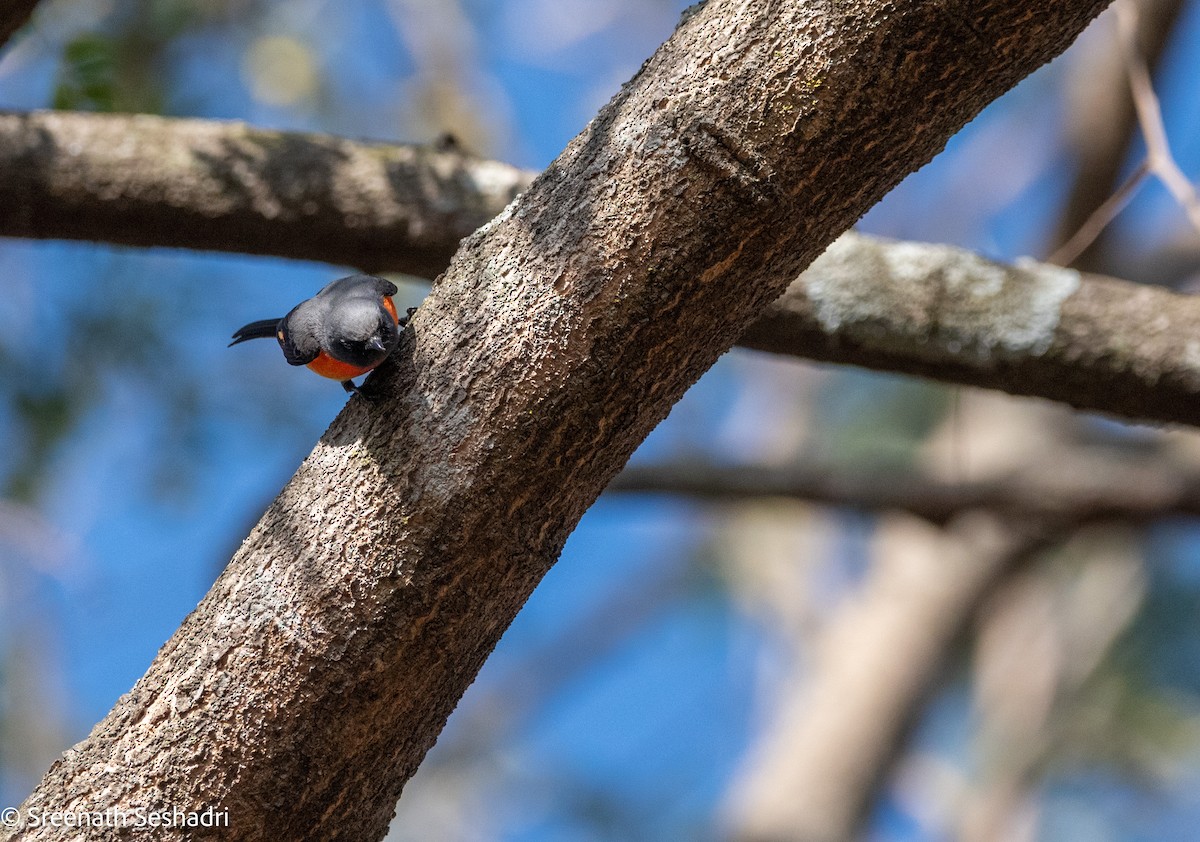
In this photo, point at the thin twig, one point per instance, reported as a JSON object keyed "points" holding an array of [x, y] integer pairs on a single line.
{"points": [[1158, 150], [1158, 161], [1068, 252]]}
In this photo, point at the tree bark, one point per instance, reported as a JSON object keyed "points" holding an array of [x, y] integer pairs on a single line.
{"points": [[311, 680]]}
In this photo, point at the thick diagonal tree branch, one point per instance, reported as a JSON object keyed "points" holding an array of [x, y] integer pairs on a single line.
{"points": [[308, 684], [1094, 342]]}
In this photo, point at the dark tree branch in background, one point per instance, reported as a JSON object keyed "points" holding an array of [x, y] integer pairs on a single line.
{"points": [[1094, 342], [1074, 489], [200, 184], [13, 15], [307, 686], [1159, 161], [1159, 158]]}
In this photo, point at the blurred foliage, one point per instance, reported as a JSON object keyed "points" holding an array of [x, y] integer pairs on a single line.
{"points": [[88, 77], [44, 421], [1130, 725], [50, 390], [880, 419], [129, 62], [124, 66], [281, 70]]}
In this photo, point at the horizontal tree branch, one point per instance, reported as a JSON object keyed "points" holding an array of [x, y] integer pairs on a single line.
{"points": [[1031, 329], [141, 180], [1074, 489]]}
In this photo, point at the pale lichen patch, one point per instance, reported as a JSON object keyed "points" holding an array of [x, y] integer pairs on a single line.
{"points": [[941, 298]]}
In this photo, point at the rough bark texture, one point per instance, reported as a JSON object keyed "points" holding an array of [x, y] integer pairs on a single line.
{"points": [[230, 187], [308, 684], [1030, 329]]}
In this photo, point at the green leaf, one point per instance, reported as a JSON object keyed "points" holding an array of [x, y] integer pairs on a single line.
{"points": [[87, 75]]}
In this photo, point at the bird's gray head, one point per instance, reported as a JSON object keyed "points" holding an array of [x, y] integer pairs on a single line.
{"points": [[359, 331]]}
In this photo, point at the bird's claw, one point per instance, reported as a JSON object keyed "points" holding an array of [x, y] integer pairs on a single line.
{"points": [[368, 396]]}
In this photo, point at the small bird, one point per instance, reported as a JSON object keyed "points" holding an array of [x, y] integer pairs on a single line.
{"points": [[342, 332]]}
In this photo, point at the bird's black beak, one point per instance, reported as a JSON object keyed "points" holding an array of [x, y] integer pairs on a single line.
{"points": [[376, 344]]}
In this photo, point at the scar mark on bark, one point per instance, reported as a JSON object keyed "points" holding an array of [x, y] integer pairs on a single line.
{"points": [[727, 155]]}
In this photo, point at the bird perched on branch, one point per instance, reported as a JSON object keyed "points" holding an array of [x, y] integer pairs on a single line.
{"points": [[342, 332]]}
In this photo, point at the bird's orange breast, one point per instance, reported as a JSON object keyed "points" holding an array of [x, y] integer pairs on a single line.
{"points": [[327, 366]]}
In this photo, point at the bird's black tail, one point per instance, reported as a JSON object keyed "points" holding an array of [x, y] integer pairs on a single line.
{"points": [[264, 329]]}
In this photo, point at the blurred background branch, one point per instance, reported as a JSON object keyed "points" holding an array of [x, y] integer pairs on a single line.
{"points": [[1073, 488], [814, 771]]}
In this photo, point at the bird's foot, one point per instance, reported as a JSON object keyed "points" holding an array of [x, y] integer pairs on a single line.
{"points": [[365, 392]]}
